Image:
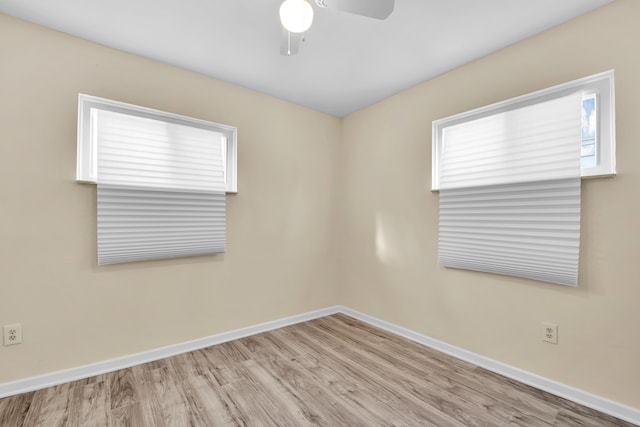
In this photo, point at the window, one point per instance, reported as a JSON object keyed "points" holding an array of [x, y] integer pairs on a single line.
{"points": [[161, 180], [588, 155], [86, 170], [598, 122], [509, 179], [512, 205]]}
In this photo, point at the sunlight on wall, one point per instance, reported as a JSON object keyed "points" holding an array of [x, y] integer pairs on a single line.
{"points": [[395, 242]]}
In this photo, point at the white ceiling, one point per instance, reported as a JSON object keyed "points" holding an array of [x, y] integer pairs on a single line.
{"points": [[347, 62]]}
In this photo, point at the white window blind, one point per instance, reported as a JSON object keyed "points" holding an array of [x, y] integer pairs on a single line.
{"points": [[87, 167], [161, 189], [598, 122], [510, 192]]}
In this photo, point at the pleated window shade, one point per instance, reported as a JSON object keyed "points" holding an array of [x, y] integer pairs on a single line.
{"points": [[161, 189], [510, 193]]}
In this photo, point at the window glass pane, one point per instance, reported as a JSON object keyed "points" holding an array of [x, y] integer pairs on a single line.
{"points": [[223, 146], [589, 131]]}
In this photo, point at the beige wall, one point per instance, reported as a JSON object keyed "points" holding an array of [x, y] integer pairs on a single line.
{"points": [[289, 251], [389, 223], [280, 257]]}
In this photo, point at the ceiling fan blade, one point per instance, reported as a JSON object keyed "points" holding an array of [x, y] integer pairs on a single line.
{"points": [[289, 43], [378, 9]]}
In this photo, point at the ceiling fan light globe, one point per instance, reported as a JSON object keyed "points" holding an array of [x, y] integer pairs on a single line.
{"points": [[296, 15]]}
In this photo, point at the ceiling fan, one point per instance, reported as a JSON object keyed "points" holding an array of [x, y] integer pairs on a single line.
{"points": [[296, 17]]}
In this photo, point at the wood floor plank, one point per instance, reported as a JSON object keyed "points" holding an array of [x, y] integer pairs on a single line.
{"points": [[50, 407], [212, 398], [94, 405], [279, 398], [13, 410], [122, 386], [183, 373], [223, 364], [34, 410], [155, 387], [333, 371], [135, 414], [248, 411], [204, 383]]}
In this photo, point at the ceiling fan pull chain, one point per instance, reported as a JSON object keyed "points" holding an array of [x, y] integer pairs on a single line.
{"points": [[289, 43]]}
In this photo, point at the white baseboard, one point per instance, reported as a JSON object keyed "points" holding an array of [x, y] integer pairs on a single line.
{"points": [[590, 400], [573, 394], [86, 371]]}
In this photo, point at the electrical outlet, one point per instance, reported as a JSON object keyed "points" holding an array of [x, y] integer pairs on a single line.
{"points": [[550, 333], [12, 334]]}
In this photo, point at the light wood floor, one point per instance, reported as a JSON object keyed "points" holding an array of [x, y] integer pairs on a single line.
{"points": [[333, 371]]}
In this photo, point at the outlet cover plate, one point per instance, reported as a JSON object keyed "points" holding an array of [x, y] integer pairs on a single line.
{"points": [[12, 334], [550, 333]]}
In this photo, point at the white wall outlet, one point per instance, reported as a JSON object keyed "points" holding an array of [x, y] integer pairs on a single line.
{"points": [[12, 334], [550, 333]]}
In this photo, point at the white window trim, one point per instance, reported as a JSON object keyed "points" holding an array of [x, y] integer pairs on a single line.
{"points": [[86, 168], [601, 84]]}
